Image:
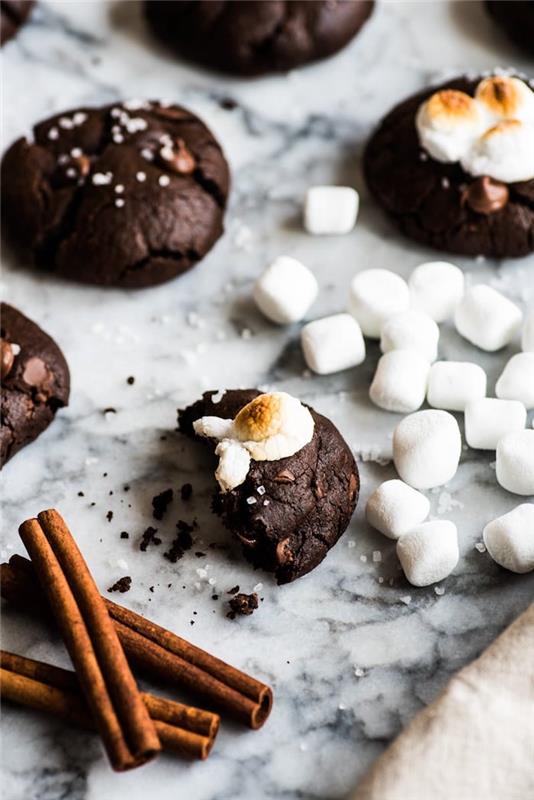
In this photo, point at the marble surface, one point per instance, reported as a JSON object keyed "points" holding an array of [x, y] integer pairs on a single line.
{"points": [[352, 650]]}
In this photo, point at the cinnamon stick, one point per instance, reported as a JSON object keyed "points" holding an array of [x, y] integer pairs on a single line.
{"points": [[159, 653], [105, 678], [182, 729]]}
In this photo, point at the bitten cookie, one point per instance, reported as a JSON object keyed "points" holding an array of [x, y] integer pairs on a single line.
{"points": [[289, 511], [13, 15], [256, 37], [35, 381], [516, 19], [453, 167], [130, 194]]}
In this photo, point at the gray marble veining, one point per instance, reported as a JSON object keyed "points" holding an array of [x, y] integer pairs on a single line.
{"points": [[352, 650]]}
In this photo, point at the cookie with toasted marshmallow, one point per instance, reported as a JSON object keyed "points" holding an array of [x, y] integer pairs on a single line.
{"points": [[287, 483], [453, 166]]}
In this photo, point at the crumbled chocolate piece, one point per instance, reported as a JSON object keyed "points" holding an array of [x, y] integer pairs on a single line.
{"points": [[109, 516], [186, 491], [149, 537], [151, 589], [130, 381], [233, 591], [242, 604], [125, 535], [81, 494], [227, 103], [160, 503], [215, 597], [7, 357], [122, 585], [182, 542]]}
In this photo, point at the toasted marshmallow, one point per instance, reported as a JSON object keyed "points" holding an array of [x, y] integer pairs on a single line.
{"points": [[502, 97], [447, 123], [505, 152], [270, 427]]}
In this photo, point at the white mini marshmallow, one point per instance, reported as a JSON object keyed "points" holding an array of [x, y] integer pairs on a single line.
{"points": [[504, 152], [429, 552], [426, 448], [400, 381], [375, 296], [436, 287], [486, 318], [515, 462], [510, 539], [330, 210], [502, 97], [447, 123], [272, 426], [487, 420], [411, 330], [516, 381], [285, 291], [527, 334], [394, 508], [452, 384], [332, 344]]}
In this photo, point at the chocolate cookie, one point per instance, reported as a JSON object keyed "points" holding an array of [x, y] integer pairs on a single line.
{"points": [[516, 19], [288, 513], [256, 36], [35, 381], [439, 204], [124, 195], [13, 14]]}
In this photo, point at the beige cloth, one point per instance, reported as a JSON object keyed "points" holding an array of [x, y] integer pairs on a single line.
{"points": [[476, 740]]}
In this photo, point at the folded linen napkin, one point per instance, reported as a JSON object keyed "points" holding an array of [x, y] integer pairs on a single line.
{"points": [[476, 740]]}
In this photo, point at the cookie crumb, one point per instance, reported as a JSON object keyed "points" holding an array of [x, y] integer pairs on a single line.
{"points": [[122, 585], [160, 503], [125, 535], [109, 516], [130, 380], [186, 491], [182, 542], [242, 605], [149, 537]]}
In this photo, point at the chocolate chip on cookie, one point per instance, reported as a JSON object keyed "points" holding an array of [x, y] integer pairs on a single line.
{"points": [[35, 381], [130, 194], [287, 512], [453, 167], [257, 36], [13, 15]]}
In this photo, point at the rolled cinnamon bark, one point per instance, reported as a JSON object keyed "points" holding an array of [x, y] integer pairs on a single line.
{"points": [[184, 730], [105, 678], [159, 653]]}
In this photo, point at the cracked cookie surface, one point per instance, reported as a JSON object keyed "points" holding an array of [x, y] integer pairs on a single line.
{"points": [[254, 37], [288, 513], [130, 194], [35, 381], [425, 198]]}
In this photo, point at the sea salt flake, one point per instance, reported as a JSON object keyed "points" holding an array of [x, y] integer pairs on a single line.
{"points": [[261, 490], [251, 501], [119, 202], [101, 179], [481, 547], [406, 599], [53, 133], [79, 118], [119, 188], [258, 587], [76, 152], [377, 556], [140, 176], [439, 590], [66, 123], [363, 558], [266, 502], [164, 180], [359, 672]]}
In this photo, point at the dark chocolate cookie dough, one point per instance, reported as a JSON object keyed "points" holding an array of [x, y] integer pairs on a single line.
{"points": [[310, 496], [256, 36], [35, 381], [130, 194], [440, 204], [13, 14], [516, 19]]}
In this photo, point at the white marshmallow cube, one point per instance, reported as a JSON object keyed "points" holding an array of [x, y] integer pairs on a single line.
{"points": [[426, 448], [375, 296], [436, 288], [515, 462], [394, 508], [332, 344], [400, 381], [527, 335], [489, 419], [429, 552], [330, 210], [452, 384], [411, 330], [516, 381], [285, 290], [486, 318], [510, 539]]}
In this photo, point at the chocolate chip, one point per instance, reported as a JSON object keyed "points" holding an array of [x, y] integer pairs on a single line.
{"points": [[178, 158], [7, 357], [486, 195], [35, 372], [285, 476]]}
